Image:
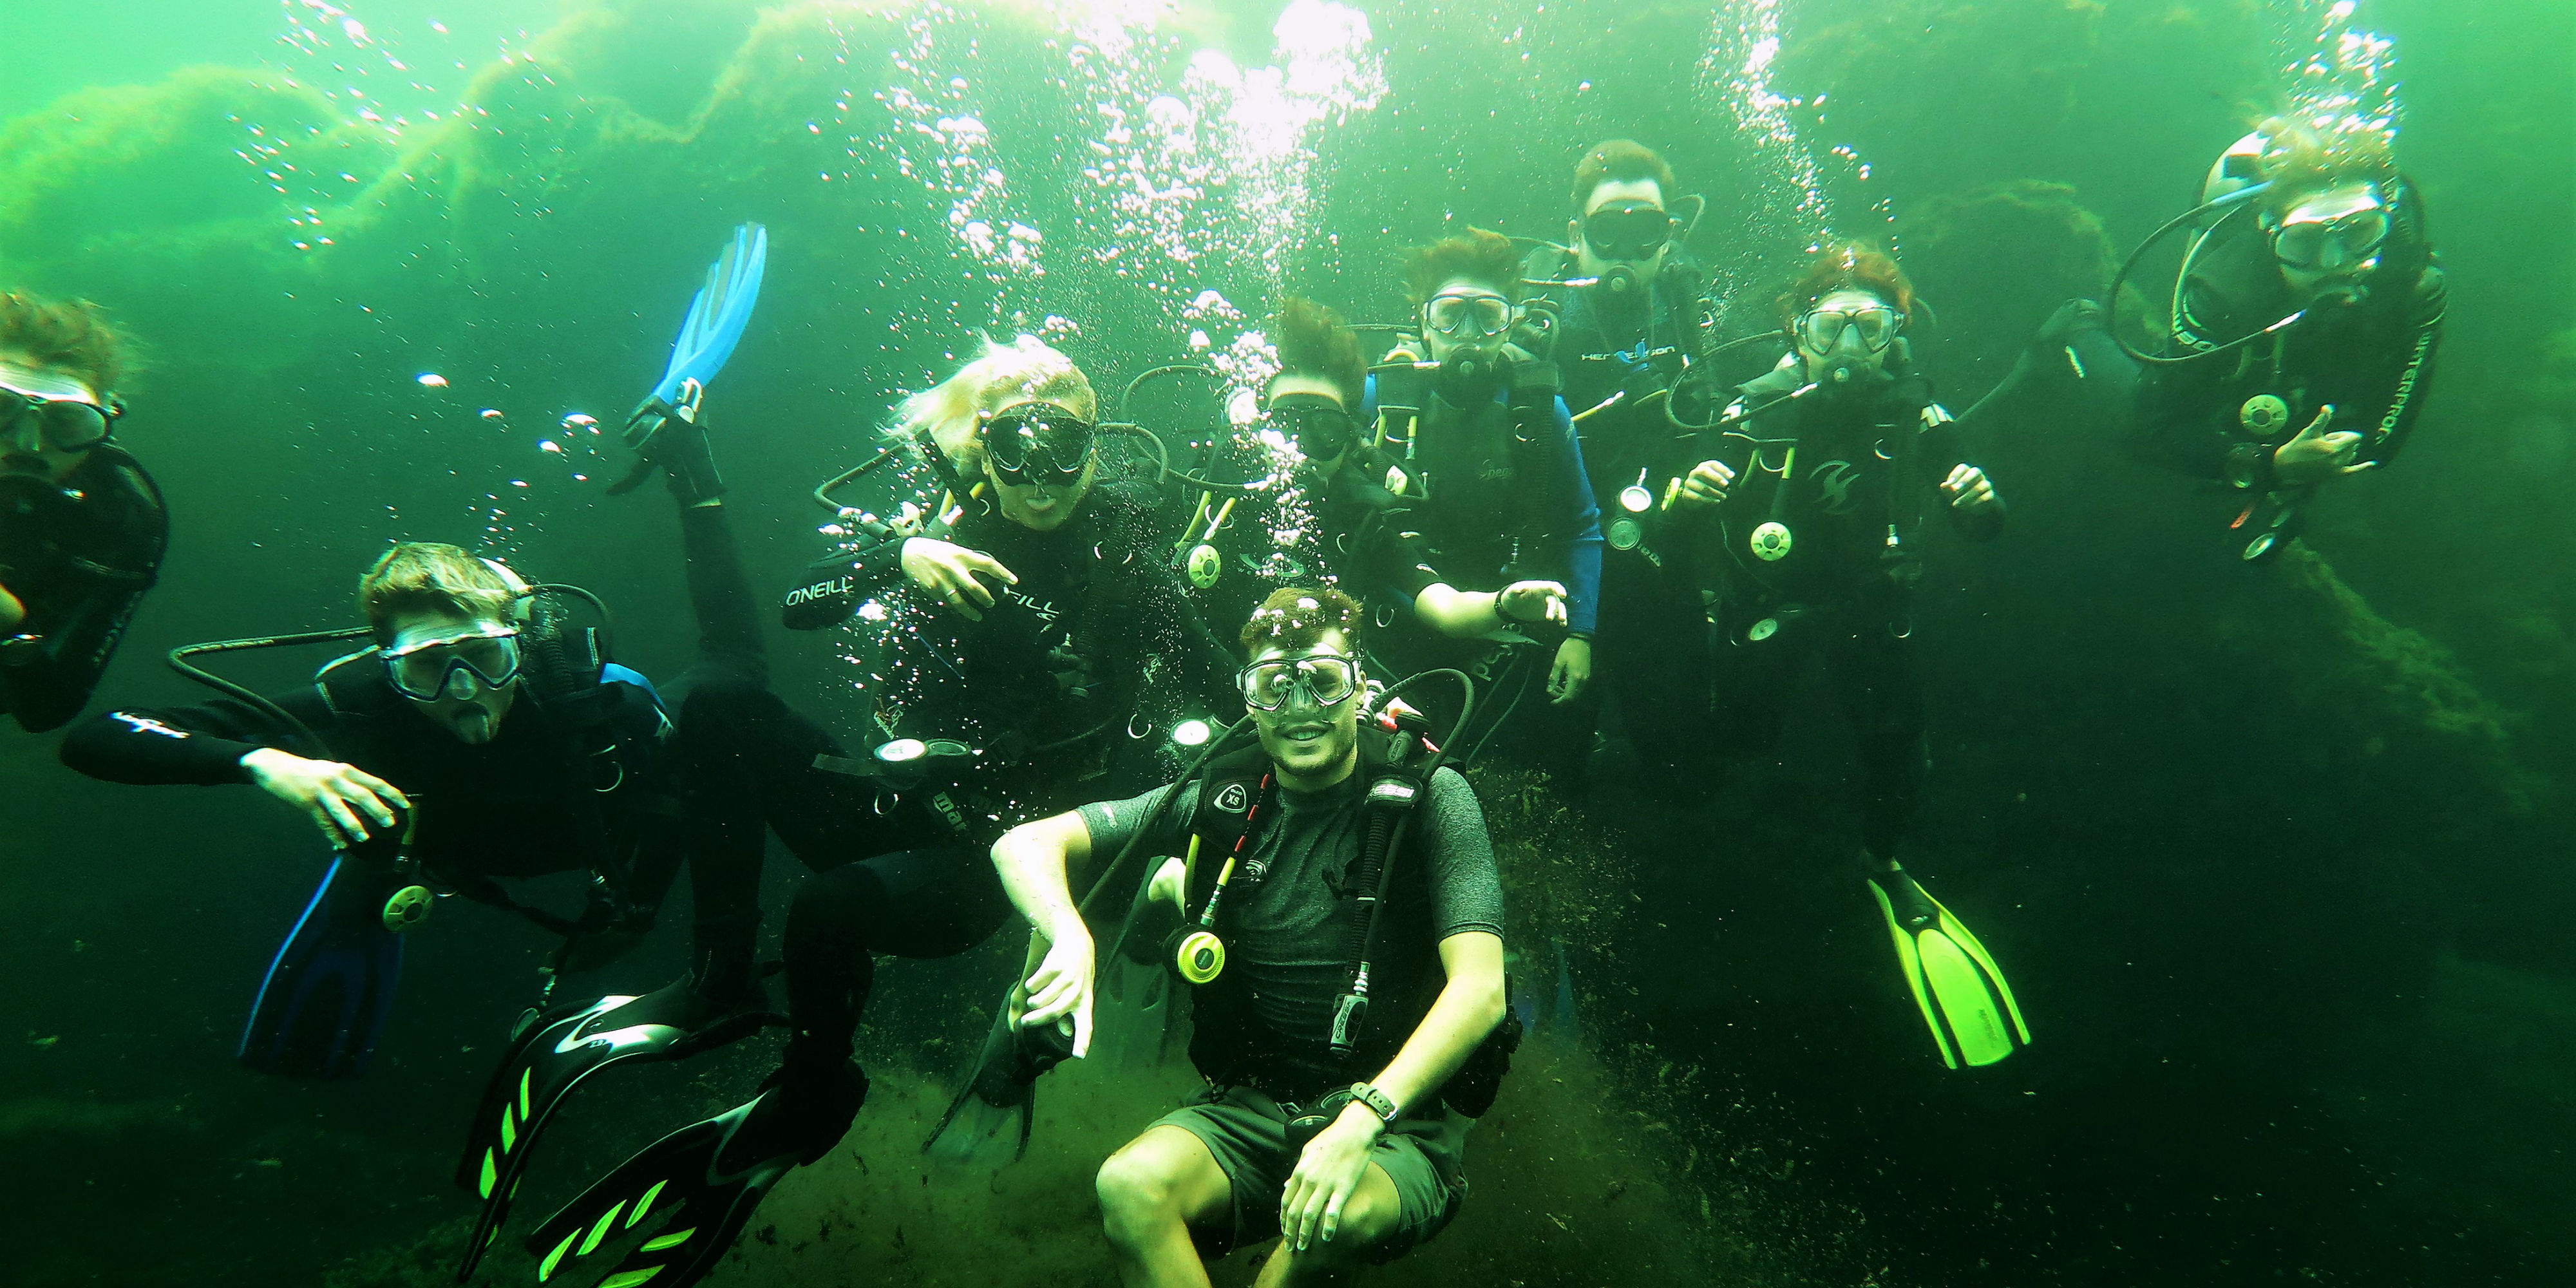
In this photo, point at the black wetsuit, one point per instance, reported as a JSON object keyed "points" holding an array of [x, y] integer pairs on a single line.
{"points": [[2372, 360], [1649, 649], [79, 557], [612, 787], [1076, 671], [1866, 466]]}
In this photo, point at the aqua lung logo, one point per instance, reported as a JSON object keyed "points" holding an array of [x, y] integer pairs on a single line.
{"points": [[146, 724], [1834, 479], [1233, 799], [833, 589]]}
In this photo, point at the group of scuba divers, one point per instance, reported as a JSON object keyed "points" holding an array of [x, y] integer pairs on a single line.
{"points": [[1551, 506]]}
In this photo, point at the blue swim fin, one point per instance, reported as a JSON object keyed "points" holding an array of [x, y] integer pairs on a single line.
{"points": [[323, 1003], [718, 314]]}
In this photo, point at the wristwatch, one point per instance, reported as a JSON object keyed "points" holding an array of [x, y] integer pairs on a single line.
{"points": [[1376, 1101]]}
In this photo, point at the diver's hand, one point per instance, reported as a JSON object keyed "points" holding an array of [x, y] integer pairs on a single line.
{"points": [[2316, 455], [1328, 1173], [948, 572], [1707, 483], [1571, 671], [338, 798], [1060, 989], [1969, 489], [1527, 603], [2071, 319], [12, 613]]}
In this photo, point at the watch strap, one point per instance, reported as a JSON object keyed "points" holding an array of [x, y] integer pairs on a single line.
{"points": [[1377, 1101]]}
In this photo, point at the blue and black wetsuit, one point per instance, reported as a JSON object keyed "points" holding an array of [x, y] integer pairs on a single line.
{"points": [[1494, 493], [79, 557], [610, 784]]}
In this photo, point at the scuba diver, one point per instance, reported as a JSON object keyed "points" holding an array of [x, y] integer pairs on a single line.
{"points": [[2304, 324], [1237, 548], [1348, 1007], [1626, 340], [82, 526], [1489, 535], [1808, 513], [1022, 601]]}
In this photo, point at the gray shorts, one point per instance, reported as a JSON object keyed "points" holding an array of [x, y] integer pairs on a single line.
{"points": [[1248, 1133]]}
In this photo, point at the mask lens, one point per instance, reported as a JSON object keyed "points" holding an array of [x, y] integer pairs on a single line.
{"points": [[1459, 314], [1633, 233], [1329, 679], [1266, 684]]}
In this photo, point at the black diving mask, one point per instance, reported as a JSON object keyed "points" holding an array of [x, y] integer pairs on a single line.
{"points": [[1317, 424], [1628, 230], [65, 423], [1038, 444]]}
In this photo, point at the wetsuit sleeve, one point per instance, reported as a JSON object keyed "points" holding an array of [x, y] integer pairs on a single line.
{"points": [[1580, 518], [1113, 824], [1945, 448], [202, 745], [71, 631], [2410, 371], [835, 585], [1466, 886]]}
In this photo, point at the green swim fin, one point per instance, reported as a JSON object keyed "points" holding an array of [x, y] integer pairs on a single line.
{"points": [[1962, 992]]}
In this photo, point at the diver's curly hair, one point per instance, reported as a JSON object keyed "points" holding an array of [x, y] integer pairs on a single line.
{"points": [[432, 577], [2299, 160], [1296, 617], [1314, 341], [1025, 370], [1481, 256], [69, 336], [1846, 266]]}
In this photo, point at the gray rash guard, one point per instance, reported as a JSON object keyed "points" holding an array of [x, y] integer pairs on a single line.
{"points": [[1286, 930]]}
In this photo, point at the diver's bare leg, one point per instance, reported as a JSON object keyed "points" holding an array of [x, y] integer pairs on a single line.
{"points": [[1150, 1191]]}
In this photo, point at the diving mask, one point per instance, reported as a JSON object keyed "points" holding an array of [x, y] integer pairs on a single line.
{"points": [[1874, 327], [1317, 424], [1037, 444], [425, 670], [66, 415], [2332, 231], [1629, 230], [1461, 316], [1328, 679]]}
